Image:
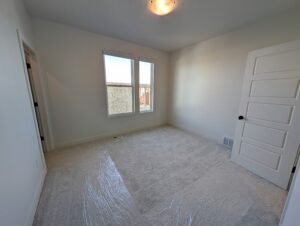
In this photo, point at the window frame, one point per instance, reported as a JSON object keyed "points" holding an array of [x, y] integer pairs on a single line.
{"points": [[133, 82], [135, 74], [152, 84]]}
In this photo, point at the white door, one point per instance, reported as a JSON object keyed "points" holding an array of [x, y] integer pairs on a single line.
{"points": [[267, 135]]}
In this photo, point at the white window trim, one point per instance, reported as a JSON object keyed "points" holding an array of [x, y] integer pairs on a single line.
{"points": [[135, 83], [127, 56]]}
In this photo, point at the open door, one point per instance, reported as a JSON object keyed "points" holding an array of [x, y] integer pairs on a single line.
{"points": [[267, 133], [32, 73]]}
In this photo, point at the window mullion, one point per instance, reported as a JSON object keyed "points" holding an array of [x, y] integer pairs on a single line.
{"points": [[152, 87], [136, 84]]}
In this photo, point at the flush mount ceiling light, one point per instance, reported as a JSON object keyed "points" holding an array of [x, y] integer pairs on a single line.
{"points": [[161, 7]]}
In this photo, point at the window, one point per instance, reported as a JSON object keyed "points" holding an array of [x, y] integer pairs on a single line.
{"points": [[119, 84], [127, 88], [146, 78]]}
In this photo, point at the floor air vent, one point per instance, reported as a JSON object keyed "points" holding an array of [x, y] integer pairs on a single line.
{"points": [[228, 142]]}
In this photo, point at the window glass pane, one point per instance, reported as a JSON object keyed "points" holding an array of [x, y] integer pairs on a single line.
{"points": [[119, 100], [145, 72], [146, 86], [117, 69], [118, 72]]}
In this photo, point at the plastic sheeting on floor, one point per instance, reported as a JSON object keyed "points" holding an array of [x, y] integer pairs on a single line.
{"points": [[87, 196], [106, 198], [186, 182], [97, 196]]}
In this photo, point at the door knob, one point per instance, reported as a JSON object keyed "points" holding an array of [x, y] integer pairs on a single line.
{"points": [[241, 117]]}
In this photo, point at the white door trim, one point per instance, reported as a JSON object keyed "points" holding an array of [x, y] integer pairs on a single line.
{"points": [[21, 42]]}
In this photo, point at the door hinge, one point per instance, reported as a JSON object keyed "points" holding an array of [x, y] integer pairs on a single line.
{"points": [[294, 169], [28, 65], [36, 104], [42, 138]]}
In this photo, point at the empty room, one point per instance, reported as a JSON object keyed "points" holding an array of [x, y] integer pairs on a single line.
{"points": [[149, 112]]}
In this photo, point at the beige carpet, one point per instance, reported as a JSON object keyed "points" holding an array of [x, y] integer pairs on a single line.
{"points": [[162, 176]]}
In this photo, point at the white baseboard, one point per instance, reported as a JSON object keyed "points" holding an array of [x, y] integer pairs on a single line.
{"points": [[98, 137], [37, 194], [80, 141]]}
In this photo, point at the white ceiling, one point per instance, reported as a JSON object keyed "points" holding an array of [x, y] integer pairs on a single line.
{"points": [[192, 21]]}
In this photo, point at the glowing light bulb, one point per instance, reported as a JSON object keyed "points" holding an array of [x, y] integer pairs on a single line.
{"points": [[162, 7]]}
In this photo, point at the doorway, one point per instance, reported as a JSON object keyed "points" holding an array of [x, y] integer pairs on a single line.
{"points": [[32, 73]]}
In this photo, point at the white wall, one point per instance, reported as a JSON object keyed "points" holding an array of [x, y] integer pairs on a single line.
{"points": [[21, 166], [73, 73], [206, 78]]}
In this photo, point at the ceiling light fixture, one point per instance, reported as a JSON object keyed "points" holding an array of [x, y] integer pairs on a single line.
{"points": [[161, 7]]}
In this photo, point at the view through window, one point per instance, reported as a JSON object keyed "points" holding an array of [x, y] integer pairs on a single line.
{"points": [[146, 86]]}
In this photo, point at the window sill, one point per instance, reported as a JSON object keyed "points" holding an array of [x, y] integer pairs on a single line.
{"points": [[146, 112], [128, 114], [120, 115]]}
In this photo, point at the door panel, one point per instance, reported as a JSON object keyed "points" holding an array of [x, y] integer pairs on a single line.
{"points": [[270, 136], [263, 156], [283, 88], [267, 140], [270, 112], [289, 60]]}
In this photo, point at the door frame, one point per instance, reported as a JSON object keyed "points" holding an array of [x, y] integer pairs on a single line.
{"points": [[22, 44], [290, 193]]}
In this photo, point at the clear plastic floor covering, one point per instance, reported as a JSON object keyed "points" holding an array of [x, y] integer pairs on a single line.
{"points": [[93, 193], [98, 197]]}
